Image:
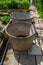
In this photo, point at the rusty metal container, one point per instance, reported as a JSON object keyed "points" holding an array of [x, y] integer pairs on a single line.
{"points": [[21, 35]]}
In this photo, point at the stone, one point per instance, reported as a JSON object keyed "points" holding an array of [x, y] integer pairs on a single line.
{"points": [[12, 59], [35, 50], [34, 14], [27, 60], [32, 8], [10, 51], [39, 26], [42, 48], [40, 33], [39, 60]]}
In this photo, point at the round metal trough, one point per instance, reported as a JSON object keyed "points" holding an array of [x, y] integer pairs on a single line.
{"points": [[21, 35], [21, 16]]}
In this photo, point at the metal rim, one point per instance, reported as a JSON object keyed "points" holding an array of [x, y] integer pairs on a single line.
{"points": [[15, 13], [19, 37]]}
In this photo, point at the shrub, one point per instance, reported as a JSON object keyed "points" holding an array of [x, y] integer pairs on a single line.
{"points": [[1, 28], [5, 19], [39, 4], [1, 4], [14, 3], [40, 13], [40, 7], [25, 3]]}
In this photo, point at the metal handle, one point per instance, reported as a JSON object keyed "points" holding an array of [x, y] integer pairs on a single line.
{"points": [[3, 34]]}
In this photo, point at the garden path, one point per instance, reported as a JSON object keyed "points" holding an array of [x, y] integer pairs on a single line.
{"points": [[16, 58]]}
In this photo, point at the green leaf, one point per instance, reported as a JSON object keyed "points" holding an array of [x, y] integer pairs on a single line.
{"points": [[1, 28], [5, 19]]}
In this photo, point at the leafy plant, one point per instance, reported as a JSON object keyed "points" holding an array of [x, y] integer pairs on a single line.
{"points": [[5, 19], [14, 3], [1, 28], [39, 4], [1, 12], [1, 4], [26, 3], [25, 10], [40, 7], [40, 13]]}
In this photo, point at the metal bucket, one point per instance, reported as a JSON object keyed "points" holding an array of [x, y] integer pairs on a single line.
{"points": [[21, 35], [21, 16]]}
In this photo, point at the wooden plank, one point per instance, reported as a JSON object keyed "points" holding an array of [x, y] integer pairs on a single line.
{"points": [[39, 60], [27, 60]]}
